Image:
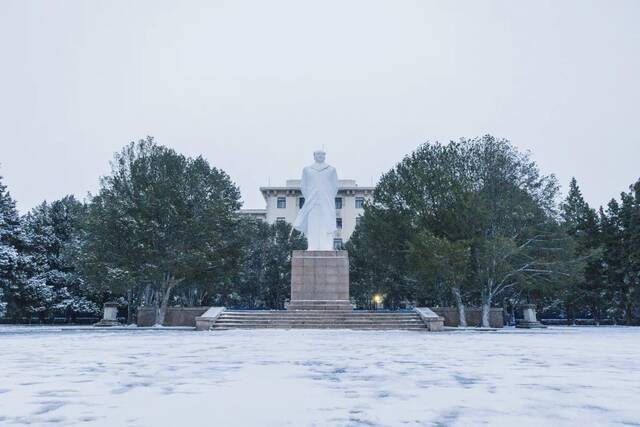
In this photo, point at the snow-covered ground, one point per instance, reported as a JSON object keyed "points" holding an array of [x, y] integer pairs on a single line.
{"points": [[558, 376]]}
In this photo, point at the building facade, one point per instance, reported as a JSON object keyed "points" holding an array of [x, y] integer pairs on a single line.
{"points": [[284, 203]]}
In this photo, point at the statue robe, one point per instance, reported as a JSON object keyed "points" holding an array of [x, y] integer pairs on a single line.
{"points": [[317, 218]]}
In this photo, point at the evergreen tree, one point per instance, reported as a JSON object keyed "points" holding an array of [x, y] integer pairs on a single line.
{"points": [[586, 289], [518, 245], [446, 262], [160, 220], [574, 209], [632, 310], [378, 259], [621, 225], [16, 266], [9, 228], [265, 277], [277, 275], [256, 236], [480, 191], [424, 195], [3, 304], [613, 254], [57, 287]]}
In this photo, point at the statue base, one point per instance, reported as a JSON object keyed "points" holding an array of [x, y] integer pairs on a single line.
{"points": [[320, 281]]}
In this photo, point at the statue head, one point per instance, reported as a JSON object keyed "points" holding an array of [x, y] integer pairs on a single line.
{"points": [[319, 156]]}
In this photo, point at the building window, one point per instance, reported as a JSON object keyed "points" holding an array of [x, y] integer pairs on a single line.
{"points": [[300, 202], [280, 219], [338, 223], [338, 202], [282, 202], [359, 202], [358, 220], [337, 244]]}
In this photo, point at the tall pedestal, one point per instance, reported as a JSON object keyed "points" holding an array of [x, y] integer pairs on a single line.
{"points": [[320, 281]]}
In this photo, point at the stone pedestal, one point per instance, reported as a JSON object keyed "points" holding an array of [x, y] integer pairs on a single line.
{"points": [[110, 316], [320, 281], [530, 320]]}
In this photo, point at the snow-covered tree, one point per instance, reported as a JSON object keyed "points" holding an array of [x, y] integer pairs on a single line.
{"points": [[161, 220], [266, 269], [482, 194], [3, 304], [585, 289], [444, 261], [56, 287], [16, 265], [620, 235]]}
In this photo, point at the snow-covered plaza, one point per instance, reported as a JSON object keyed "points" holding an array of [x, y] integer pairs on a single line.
{"points": [[163, 377]]}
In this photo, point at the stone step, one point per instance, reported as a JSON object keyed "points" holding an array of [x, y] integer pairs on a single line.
{"points": [[321, 302], [248, 328], [305, 307], [373, 319], [316, 313], [319, 316], [316, 326], [317, 319], [321, 311], [228, 319], [319, 326], [353, 322]]}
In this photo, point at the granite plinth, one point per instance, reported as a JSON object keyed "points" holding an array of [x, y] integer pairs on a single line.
{"points": [[320, 281], [530, 320], [110, 315]]}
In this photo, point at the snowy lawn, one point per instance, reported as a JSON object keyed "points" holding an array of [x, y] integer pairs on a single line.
{"points": [[558, 376]]}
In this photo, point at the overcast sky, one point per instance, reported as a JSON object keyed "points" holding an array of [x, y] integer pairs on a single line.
{"points": [[256, 86]]}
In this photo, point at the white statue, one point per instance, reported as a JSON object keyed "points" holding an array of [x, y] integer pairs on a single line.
{"points": [[317, 218]]}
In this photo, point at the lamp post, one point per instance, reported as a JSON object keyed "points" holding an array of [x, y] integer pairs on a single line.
{"points": [[377, 300]]}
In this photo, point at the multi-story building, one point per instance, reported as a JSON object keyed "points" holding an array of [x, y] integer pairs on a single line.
{"points": [[284, 203]]}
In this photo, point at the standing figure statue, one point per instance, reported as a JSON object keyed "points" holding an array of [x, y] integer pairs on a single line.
{"points": [[317, 218]]}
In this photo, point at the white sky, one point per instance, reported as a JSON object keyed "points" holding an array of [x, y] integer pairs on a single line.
{"points": [[256, 86]]}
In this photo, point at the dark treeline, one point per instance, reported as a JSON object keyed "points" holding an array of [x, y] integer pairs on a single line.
{"points": [[469, 223]]}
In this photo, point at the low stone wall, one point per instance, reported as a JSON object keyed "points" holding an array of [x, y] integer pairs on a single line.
{"points": [[176, 316], [473, 315]]}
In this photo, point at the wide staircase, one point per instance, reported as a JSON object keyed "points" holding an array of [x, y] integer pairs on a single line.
{"points": [[319, 319]]}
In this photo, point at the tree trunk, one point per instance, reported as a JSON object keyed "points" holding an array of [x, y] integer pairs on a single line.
{"points": [[512, 315], [170, 283], [462, 317], [629, 309], [570, 316], [162, 308], [129, 302], [596, 314], [486, 313], [486, 306]]}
